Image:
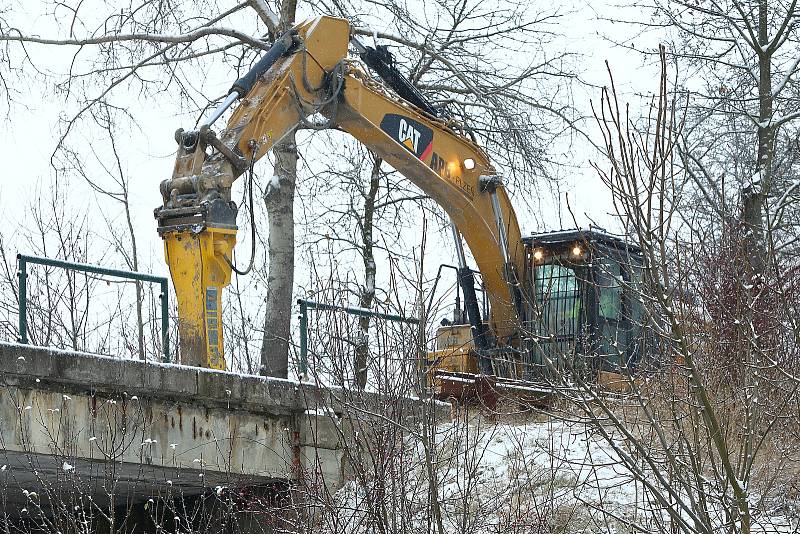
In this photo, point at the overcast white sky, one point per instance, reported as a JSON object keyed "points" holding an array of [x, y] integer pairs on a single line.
{"points": [[29, 134], [28, 139]]}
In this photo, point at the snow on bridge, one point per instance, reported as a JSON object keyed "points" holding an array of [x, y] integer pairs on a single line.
{"points": [[73, 421]]}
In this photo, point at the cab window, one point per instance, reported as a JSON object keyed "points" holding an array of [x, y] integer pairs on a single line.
{"points": [[558, 298], [609, 291]]}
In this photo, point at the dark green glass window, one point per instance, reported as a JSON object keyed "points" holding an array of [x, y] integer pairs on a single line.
{"points": [[609, 289]]}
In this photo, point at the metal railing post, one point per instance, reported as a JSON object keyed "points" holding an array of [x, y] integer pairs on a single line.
{"points": [[24, 260], [306, 305], [23, 298], [164, 296]]}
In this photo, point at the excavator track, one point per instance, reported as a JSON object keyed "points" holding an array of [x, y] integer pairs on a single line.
{"points": [[467, 388]]}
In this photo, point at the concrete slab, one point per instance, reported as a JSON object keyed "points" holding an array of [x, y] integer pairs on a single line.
{"points": [[74, 422], [80, 428]]}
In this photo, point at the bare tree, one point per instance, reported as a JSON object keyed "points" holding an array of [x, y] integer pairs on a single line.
{"points": [[739, 145], [279, 199], [73, 309], [704, 453], [72, 160], [151, 51], [156, 50]]}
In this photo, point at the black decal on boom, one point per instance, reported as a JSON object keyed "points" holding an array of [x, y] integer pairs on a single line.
{"points": [[414, 136]]}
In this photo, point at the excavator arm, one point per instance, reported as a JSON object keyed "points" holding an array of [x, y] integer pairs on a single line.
{"points": [[307, 80]]}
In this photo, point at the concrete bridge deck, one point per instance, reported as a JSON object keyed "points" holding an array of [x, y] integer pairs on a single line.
{"points": [[99, 426]]}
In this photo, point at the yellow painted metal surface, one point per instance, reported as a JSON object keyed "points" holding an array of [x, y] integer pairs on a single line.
{"points": [[199, 273], [440, 173], [270, 110], [454, 351], [451, 360], [454, 338]]}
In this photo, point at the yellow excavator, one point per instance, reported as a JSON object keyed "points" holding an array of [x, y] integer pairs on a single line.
{"points": [[308, 75]]}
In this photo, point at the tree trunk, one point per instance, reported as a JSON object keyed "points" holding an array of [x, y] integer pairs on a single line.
{"points": [[368, 290], [134, 265], [280, 211], [756, 192], [279, 202]]}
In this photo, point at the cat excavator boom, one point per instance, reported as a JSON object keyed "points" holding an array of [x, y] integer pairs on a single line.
{"points": [[307, 77]]}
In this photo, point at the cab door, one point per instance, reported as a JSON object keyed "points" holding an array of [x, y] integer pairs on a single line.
{"points": [[620, 322], [559, 313]]}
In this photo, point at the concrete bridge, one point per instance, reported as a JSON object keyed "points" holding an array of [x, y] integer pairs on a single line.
{"points": [[89, 429]]}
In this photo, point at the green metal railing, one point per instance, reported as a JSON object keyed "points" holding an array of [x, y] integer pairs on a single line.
{"points": [[23, 261], [306, 305]]}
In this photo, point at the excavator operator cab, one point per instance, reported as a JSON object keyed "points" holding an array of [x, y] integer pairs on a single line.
{"points": [[585, 313]]}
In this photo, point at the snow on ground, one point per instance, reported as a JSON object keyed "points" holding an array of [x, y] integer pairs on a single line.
{"points": [[554, 467], [540, 477]]}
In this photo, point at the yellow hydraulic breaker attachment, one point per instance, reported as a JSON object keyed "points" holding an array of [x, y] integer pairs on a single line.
{"points": [[197, 219], [200, 269]]}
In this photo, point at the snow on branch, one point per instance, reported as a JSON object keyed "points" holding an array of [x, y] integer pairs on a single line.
{"points": [[265, 13], [779, 87]]}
